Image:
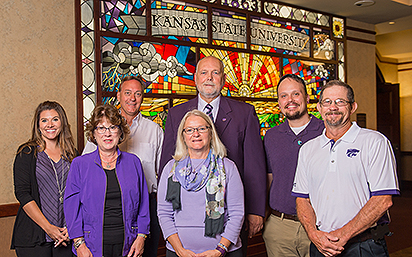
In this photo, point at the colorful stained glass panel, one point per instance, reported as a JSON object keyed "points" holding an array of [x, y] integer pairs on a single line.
{"points": [[314, 74], [123, 16], [284, 11], [323, 46], [181, 21], [88, 59], [167, 69], [249, 5], [279, 37], [268, 113], [338, 27], [179, 101], [247, 75], [229, 28], [155, 109], [341, 59]]}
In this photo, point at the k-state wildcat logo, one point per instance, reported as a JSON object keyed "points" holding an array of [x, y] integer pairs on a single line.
{"points": [[352, 152]]}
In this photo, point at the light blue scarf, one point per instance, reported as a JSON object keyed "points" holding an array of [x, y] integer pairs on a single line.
{"points": [[210, 174]]}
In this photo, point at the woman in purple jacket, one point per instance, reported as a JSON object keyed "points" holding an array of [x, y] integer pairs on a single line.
{"points": [[200, 194], [106, 201]]}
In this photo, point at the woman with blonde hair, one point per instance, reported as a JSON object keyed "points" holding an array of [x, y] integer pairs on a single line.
{"points": [[200, 196], [40, 171]]}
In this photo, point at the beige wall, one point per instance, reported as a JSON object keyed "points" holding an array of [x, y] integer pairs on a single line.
{"points": [[6, 228], [388, 67], [405, 92], [395, 72], [405, 83], [361, 71], [37, 63]]}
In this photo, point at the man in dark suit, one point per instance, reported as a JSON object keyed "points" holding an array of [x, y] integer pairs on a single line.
{"points": [[238, 128]]}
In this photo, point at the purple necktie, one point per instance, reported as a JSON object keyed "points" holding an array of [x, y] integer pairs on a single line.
{"points": [[208, 111]]}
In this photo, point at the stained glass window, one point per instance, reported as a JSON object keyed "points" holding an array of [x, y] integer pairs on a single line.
{"points": [[268, 113], [297, 14], [229, 28], [123, 16], [177, 20], [88, 59], [338, 27], [247, 75], [341, 61], [155, 109], [167, 69], [323, 46], [163, 49], [314, 74], [179, 101], [249, 5], [279, 37]]}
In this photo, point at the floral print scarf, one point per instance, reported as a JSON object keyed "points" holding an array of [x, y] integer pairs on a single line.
{"points": [[211, 174]]}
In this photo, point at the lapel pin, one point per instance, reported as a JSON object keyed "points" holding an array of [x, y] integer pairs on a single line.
{"points": [[224, 119]]}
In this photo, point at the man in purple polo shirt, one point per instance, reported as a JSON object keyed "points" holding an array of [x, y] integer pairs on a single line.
{"points": [[283, 234]]}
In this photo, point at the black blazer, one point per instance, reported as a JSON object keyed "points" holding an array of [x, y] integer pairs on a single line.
{"points": [[26, 232]]}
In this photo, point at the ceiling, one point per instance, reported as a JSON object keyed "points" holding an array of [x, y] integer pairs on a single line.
{"points": [[379, 14]]}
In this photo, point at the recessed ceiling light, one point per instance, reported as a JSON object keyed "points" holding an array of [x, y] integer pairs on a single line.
{"points": [[391, 23], [364, 3]]}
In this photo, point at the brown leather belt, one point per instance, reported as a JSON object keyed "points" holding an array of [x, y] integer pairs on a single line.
{"points": [[284, 215]]}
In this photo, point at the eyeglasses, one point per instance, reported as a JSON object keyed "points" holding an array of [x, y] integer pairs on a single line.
{"points": [[112, 129], [190, 131], [338, 102]]}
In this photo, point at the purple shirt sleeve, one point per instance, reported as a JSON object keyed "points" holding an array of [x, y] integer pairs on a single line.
{"points": [[164, 208], [73, 215], [234, 202]]}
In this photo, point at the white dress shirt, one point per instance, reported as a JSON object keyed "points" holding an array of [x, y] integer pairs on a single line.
{"points": [[215, 104]]}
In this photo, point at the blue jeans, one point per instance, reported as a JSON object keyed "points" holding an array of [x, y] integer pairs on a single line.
{"points": [[368, 248]]}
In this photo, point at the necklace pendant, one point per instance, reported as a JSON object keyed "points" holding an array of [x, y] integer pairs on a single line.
{"points": [[61, 199]]}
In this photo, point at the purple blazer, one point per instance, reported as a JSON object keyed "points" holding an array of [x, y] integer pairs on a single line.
{"points": [[85, 197], [238, 127]]}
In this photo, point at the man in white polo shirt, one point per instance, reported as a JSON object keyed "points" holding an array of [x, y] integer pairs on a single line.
{"points": [[344, 181]]}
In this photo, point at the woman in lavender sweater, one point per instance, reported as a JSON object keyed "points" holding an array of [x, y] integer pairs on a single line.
{"points": [[200, 196]]}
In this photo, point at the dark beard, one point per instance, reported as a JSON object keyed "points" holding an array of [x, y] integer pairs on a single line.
{"points": [[296, 115]]}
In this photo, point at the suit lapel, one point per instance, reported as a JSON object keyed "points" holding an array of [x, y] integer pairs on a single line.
{"points": [[193, 103], [223, 116]]}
